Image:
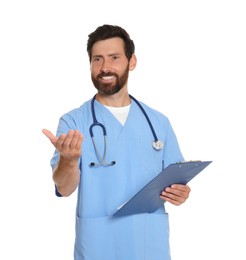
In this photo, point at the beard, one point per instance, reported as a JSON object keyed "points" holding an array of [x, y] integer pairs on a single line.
{"points": [[109, 89]]}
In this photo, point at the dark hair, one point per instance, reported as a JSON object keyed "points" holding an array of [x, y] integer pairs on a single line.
{"points": [[107, 31]]}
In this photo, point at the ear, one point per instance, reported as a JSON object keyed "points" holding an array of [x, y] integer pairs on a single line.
{"points": [[133, 62]]}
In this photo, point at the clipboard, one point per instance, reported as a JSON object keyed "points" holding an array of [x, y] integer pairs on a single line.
{"points": [[147, 200]]}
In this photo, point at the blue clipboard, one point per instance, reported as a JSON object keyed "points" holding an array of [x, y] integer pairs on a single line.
{"points": [[148, 200]]}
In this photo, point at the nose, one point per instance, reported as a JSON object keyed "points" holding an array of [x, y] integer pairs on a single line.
{"points": [[105, 66]]}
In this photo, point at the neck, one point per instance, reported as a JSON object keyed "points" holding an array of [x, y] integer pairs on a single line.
{"points": [[119, 99]]}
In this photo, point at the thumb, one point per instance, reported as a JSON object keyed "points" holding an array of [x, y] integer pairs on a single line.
{"points": [[50, 136]]}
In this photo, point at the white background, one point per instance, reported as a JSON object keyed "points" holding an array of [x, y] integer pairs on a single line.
{"points": [[191, 66]]}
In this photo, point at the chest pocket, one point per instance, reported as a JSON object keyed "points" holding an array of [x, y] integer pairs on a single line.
{"points": [[137, 153]]}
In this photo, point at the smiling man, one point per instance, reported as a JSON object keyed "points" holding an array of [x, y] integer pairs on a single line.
{"points": [[103, 149]]}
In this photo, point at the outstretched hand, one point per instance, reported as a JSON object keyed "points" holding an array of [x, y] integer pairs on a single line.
{"points": [[68, 145]]}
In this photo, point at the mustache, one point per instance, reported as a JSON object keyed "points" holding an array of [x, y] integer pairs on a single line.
{"points": [[107, 74]]}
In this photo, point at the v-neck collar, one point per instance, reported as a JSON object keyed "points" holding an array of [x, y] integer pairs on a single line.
{"points": [[113, 125]]}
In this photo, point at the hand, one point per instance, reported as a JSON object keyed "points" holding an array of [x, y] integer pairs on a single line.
{"points": [[68, 145], [177, 194]]}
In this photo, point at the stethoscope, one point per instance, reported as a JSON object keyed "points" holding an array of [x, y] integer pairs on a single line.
{"points": [[157, 144]]}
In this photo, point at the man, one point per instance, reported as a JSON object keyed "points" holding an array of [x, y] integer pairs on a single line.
{"points": [[104, 150]]}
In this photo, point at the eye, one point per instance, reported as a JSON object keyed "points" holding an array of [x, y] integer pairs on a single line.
{"points": [[97, 59], [115, 57]]}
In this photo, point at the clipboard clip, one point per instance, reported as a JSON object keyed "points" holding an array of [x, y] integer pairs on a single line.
{"points": [[191, 161]]}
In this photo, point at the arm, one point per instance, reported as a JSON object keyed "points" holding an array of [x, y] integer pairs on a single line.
{"points": [[66, 174]]}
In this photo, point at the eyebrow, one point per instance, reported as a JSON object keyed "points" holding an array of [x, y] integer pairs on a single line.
{"points": [[109, 55]]}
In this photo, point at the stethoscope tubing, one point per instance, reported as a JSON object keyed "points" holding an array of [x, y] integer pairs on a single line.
{"points": [[147, 118], [102, 159]]}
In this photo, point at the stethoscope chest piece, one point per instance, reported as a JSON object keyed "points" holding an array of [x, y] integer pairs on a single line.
{"points": [[158, 145]]}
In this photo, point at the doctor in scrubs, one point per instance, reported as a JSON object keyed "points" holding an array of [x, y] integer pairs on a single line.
{"points": [[108, 149]]}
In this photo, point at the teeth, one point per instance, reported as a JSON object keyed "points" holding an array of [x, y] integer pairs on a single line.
{"points": [[108, 77]]}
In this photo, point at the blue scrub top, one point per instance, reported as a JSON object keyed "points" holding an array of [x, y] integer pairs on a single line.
{"points": [[99, 236]]}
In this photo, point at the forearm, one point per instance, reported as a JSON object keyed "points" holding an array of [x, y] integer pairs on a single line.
{"points": [[66, 176]]}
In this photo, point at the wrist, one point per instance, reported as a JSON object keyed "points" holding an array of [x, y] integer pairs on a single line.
{"points": [[68, 161]]}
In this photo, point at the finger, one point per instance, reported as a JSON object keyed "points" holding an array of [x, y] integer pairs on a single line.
{"points": [[64, 141], [75, 142], [179, 190], [183, 191], [50, 136], [169, 195], [170, 200], [181, 187], [69, 141], [175, 192], [79, 143]]}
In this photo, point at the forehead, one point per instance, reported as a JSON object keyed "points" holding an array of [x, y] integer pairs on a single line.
{"points": [[108, 46]]}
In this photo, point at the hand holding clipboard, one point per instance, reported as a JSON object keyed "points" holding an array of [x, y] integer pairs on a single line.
{"points": [[148, 200]]}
